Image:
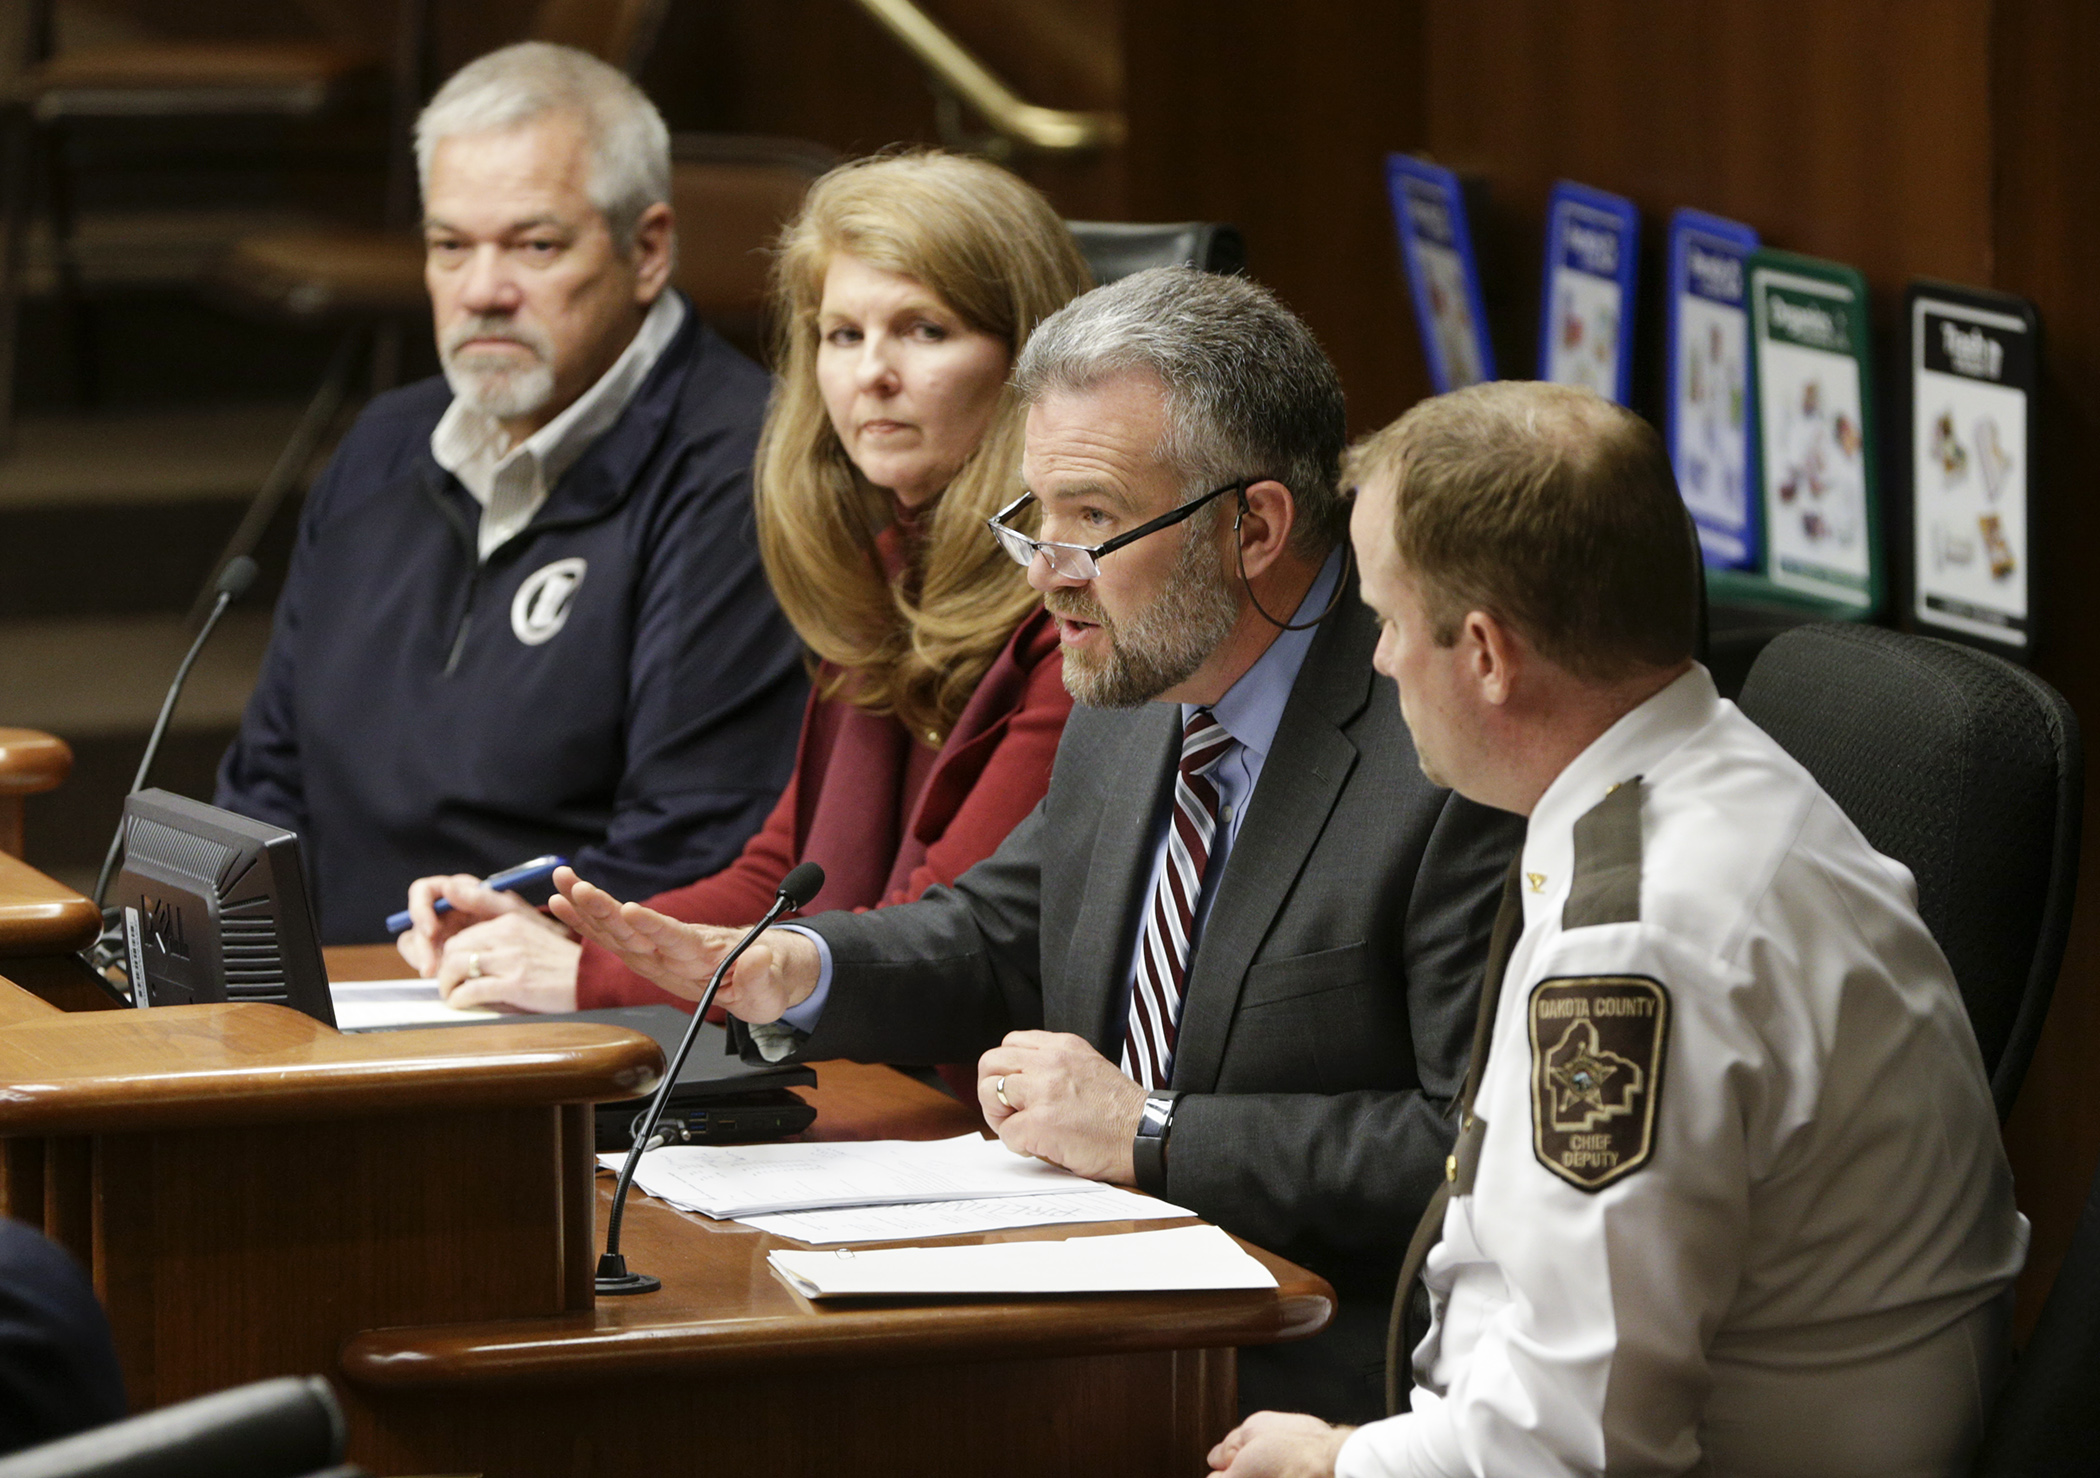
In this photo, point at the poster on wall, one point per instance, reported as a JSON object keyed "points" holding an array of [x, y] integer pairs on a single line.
{"points": [[1809, 364], [1593, 245], [1972, 393], [1429, 212], [1708, 404]]}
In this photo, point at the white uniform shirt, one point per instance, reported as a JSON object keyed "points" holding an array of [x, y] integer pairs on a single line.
{"points": [[1809, 1272], [511, 482]]}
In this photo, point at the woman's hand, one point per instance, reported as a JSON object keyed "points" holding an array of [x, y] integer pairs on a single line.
{"points": [[472, 900], [521, 960]]}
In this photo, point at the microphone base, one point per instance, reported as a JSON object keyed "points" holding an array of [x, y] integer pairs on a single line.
{"points": [[613, 1277], [629, 1283]]}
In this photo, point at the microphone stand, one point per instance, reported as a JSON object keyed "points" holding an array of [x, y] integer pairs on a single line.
{"points": [[796, 889], [233, 583]]}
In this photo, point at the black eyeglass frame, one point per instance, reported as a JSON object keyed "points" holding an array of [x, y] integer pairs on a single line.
{"points": [[1011, 539]]}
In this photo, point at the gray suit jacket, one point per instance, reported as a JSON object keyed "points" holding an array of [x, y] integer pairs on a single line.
{"points": [[1331, 998]]}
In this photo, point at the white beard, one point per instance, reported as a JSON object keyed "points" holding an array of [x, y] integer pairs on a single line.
{"points": [[503, 392], [496, 384]]}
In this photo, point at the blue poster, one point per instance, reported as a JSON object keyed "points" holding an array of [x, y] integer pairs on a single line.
{"points": [[1708, 401], [1593, 243], [1430, 214]]}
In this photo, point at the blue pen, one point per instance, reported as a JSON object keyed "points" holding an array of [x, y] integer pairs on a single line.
{"points": [[524, 875]]}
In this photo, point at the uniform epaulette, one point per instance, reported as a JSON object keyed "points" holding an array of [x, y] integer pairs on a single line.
{"points": [[1606, 888]]}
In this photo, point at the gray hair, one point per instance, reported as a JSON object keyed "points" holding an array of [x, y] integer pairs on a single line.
{"points": [[1249, 392], [630, 149]]}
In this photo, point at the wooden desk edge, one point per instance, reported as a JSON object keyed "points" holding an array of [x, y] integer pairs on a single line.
{"points": [[32, 762], [564, 1349], [41, 916], [193, 1066]]}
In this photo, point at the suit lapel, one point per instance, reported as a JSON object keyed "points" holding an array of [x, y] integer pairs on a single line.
{"points": [[1120, 867], [1300, 783]]}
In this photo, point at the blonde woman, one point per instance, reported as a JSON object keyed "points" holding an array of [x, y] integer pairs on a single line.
{"points": [[903, 291]]}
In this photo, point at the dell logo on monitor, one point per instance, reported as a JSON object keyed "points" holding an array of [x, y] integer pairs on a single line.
{"points": [[164, 924]]}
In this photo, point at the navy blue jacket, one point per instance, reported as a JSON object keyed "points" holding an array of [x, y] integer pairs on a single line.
{"points": [[58, 1369], [404, 724]]}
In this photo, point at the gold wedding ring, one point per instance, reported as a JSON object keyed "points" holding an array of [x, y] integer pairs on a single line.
{"points": [[999, 1091], [474, 965]]}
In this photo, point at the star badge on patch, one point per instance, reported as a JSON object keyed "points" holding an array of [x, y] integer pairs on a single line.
{"points": [[1597, 1047]]}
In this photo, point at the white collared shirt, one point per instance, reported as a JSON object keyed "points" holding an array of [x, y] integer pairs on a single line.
{"points": [[1809, 1273], [511, 482]]}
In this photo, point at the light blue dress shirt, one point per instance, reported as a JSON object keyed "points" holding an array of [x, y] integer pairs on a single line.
{"points": [[1250, 711]]}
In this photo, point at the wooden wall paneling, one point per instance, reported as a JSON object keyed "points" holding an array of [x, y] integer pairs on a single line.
{"points": [[124, 1263], [1278, 119], [228, 1254], [1101, 1416], [68, 1203], [2046, 158], [577, 1176], [1856, 131], [22, 1179]]}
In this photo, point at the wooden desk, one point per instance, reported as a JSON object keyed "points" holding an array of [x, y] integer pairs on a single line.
{"points": [[728, 1371]]}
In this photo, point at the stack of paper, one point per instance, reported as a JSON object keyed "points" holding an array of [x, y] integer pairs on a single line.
{"points": [[951, 1218], [376, 1005], [880, 1190], [1135, 1262], [727, 1180]]}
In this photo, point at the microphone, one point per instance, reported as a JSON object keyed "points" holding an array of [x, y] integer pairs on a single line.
{"points": [[796, 889], [233, 583]]}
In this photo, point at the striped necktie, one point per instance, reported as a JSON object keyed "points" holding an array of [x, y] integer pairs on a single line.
{"points": [[1170, 921]]}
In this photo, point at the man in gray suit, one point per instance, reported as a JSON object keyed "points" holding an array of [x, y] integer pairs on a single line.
{"points": [[1233, 957]]}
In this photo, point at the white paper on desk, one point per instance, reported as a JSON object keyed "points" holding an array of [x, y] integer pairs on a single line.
{"points": [[949, 1218], [370, 1005], [724, 1180], [1174, 1260]]}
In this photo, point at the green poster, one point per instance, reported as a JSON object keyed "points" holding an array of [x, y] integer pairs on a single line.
{"points": [[1815, 433]]}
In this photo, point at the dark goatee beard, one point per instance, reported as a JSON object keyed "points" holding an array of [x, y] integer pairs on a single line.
{"points": [[1163, 644]]}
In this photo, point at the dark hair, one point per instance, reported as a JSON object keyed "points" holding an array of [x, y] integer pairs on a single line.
{"points": [[1551, 509]]}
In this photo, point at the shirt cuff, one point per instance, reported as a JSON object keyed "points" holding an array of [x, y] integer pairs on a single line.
{"points": [[804, 1018], [1415, 1444]]}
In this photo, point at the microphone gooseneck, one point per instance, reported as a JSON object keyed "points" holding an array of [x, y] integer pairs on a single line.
{"points": [[232, 584], [796, 889]]}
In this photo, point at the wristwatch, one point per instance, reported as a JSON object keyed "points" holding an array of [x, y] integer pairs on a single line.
{"points": [[1148, 1152]]}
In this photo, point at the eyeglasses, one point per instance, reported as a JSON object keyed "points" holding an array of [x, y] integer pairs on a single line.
{"points": [[1079, 561]]}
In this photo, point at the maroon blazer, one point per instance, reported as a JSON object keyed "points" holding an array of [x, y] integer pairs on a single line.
{"points": [[885, 815]]}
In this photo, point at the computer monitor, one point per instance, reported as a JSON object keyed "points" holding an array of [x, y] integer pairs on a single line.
{"points": [[214, 908]]}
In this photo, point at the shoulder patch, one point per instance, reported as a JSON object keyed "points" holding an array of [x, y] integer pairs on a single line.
{"points": [[1597, 1046]]}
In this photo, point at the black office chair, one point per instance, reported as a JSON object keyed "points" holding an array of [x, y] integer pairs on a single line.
{"points": [[1967, 770], [283, 1428], [1115, 249]]}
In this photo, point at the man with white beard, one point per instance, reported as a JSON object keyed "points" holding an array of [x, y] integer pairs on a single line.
{"points": [[525, 613]]}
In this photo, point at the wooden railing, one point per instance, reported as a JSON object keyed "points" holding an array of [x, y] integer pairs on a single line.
{"points": [[30, 763], [1019, 123]]}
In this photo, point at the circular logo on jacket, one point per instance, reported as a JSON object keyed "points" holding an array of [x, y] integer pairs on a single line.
{"points": [[541, 606]]}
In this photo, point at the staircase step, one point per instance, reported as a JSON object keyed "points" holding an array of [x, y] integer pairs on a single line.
{"points": [[107, 674], [97, 683], [128, 513], [143, 456]]}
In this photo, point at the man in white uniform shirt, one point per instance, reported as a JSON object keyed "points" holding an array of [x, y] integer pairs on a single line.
{"points": [[1728, 1195]]}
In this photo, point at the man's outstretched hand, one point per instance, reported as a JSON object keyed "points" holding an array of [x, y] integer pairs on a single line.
{"points": [[777, 972]]}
